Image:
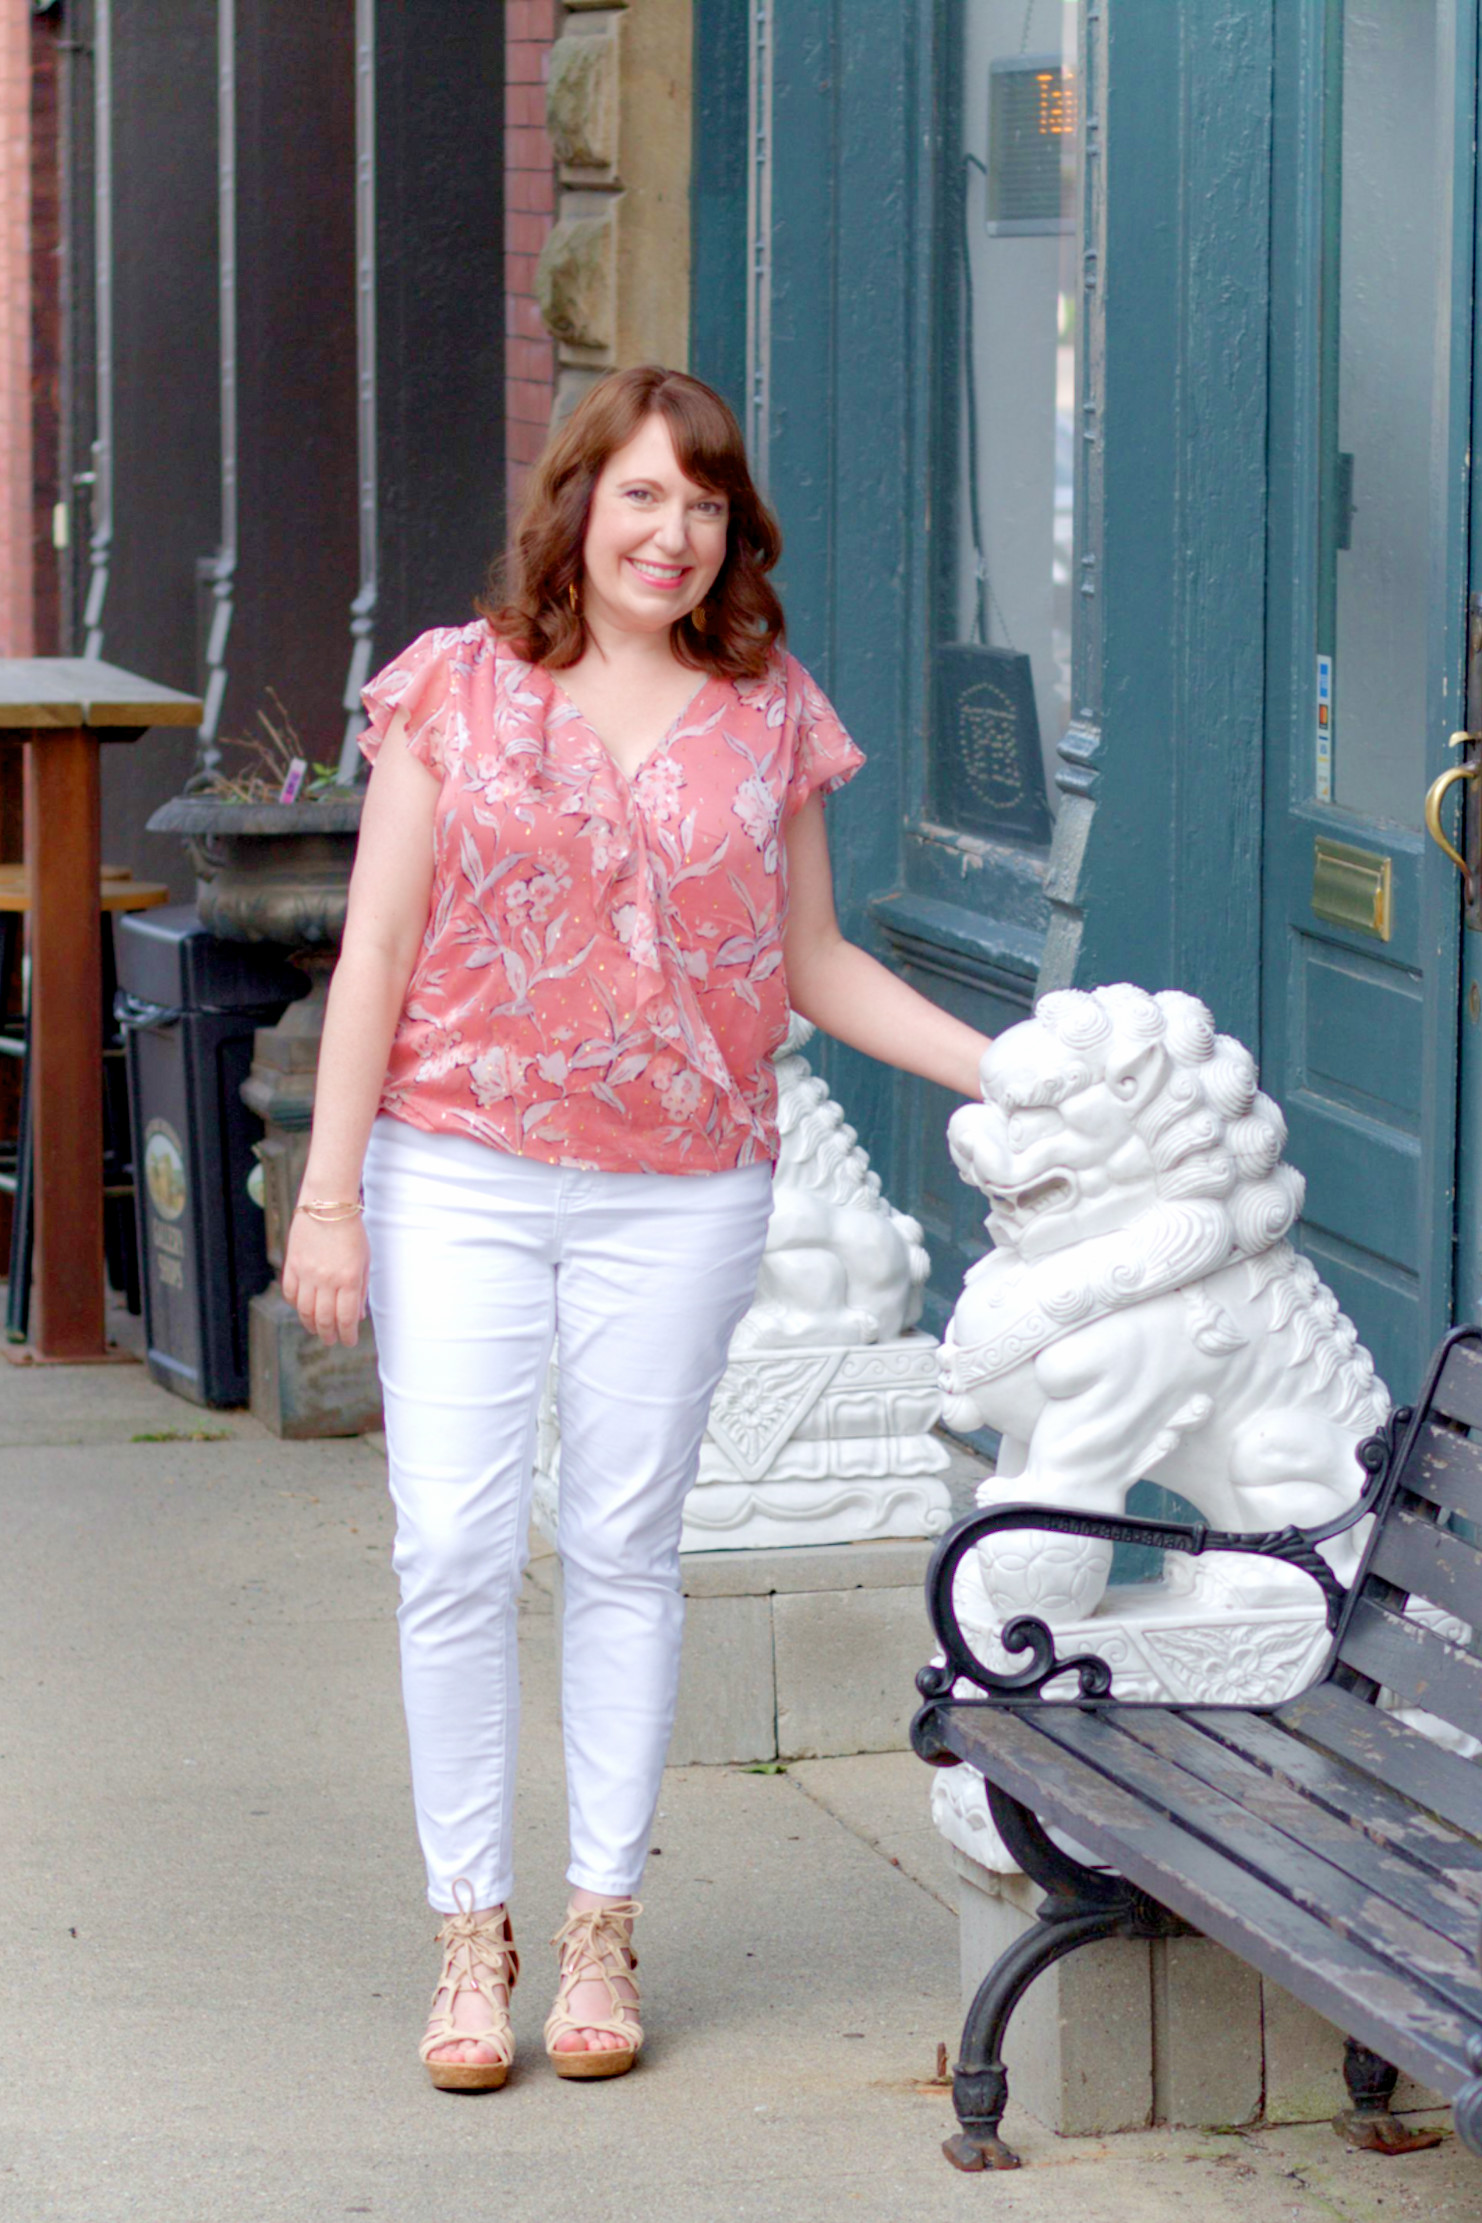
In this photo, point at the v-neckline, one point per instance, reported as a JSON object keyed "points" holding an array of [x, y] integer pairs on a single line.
{"points": [[659, 747]]}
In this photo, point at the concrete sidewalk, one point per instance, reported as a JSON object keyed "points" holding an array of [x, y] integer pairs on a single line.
{"points": [[217, 1958]]}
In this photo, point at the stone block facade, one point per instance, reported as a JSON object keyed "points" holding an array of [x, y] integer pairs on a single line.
{"points": [[613, 275], [597, 177]]}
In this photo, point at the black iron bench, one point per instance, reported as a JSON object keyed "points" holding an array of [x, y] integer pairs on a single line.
{"points": [[1323, 1841]]}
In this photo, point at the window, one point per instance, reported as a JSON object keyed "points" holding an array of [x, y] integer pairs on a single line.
{"points": [[1002, 616], [1385, 220]]}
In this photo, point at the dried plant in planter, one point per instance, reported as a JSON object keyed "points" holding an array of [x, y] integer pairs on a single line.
{"points": [[266, 763]]}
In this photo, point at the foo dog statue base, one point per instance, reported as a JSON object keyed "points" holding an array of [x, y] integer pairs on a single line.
{"points": [[1188, 1639], [821, 1445], [814, 1445]]}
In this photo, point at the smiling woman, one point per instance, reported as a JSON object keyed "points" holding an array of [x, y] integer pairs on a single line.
{"points": [[681, 509], [581, 908]]}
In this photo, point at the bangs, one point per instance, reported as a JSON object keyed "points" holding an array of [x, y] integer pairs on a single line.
{"points": [[707, 439]]}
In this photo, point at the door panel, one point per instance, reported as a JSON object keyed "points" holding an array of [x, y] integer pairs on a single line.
{"points": [[1363, 1191], [1340, 990], [1372, 405]]}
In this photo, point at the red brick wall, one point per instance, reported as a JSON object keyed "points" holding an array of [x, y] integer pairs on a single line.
{"points": [[46, 325], [529, 207], [15, 333]]}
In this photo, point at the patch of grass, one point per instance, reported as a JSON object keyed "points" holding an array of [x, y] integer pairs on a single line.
{"points": [[765, 1767], [183, 1435]]}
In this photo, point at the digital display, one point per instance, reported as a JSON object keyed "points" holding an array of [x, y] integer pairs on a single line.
{"points": [[1032, 113], [1057, 103]]}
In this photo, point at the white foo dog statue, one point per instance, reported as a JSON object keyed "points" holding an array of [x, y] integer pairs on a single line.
{"points": [[842, 1265], [822, 1430], [1141, 1314]]}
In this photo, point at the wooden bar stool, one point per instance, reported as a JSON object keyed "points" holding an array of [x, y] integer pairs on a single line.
{"points": [[62, 708], [118, 892]]}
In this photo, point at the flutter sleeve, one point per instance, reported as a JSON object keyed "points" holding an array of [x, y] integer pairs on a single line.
{"points": [[425, 681], [824, 758]]}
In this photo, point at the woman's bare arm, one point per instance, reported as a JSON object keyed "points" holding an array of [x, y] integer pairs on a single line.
{"points": [[848, 993], [324, 1270]]}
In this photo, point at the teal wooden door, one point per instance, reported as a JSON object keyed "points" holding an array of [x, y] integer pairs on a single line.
{"points": [[1465, 828], [1372, 396]]}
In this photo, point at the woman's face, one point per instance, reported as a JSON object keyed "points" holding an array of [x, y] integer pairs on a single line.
{"points": [[655, 541]]}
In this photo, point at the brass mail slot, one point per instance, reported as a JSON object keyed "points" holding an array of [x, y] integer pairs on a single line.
{"points": [[1351, 887]]}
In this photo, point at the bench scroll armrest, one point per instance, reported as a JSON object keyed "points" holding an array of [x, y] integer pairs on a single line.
{"points": [[1027, 1634]]}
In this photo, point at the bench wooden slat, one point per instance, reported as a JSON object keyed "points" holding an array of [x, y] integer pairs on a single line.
{"points": [[1420, 1667], [1459, 1390], [1338, 1721], [1311, 1879], [1312, 1829], [1343, 1789], [1374, 1996], [1446, 1469], [1429, 1562]]}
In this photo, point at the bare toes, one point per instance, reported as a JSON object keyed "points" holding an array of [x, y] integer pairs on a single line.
{"points": [[464, 2052]]}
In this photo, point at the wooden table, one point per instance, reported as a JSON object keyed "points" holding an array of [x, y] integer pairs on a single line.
{"points": [[118, 890], [62, 707]]}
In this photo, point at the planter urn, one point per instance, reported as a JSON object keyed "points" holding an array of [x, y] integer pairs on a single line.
{"points": [[280, 873]]}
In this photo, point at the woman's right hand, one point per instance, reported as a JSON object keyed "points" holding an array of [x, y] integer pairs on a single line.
{"points": [[325, 1269]]}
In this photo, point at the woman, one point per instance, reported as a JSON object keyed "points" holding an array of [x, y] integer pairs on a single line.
{"points": [[592, 874]]}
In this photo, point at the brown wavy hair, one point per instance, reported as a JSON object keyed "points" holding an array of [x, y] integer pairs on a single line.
{"points": [[528, 601]]}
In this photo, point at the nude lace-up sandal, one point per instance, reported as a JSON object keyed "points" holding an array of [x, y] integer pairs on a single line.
{"points": [[478, 1955], [594, 1947]]}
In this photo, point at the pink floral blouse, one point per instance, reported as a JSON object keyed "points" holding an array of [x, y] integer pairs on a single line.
{"points": [[600, 983]]}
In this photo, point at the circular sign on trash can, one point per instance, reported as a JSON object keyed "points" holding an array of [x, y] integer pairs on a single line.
{"points": [[164, 1169]]}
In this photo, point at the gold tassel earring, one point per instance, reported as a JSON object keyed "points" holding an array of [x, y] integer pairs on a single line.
{"points": [[701, 622], [571, 598]]}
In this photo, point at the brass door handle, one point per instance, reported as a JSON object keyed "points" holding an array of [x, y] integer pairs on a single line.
{"points": [[1435, 795]]}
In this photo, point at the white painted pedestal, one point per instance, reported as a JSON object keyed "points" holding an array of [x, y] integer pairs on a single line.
{"points": [[795, 1655]]}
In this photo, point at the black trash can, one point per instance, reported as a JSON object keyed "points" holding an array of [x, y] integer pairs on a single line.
{"points": [[188, 1005]]}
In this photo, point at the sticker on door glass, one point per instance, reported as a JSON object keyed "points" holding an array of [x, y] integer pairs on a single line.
{"points": [[1323, 785], [164, 1169]]}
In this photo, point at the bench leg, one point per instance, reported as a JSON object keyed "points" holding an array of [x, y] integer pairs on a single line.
{"points": [[1083, 1905], [980, 2082], [1368, 2123]]}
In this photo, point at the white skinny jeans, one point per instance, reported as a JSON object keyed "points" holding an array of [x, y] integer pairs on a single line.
{"points": [[479, 1261]]}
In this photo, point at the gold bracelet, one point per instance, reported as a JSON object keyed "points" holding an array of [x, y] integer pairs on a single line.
{"points": [[329, 1211]]}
